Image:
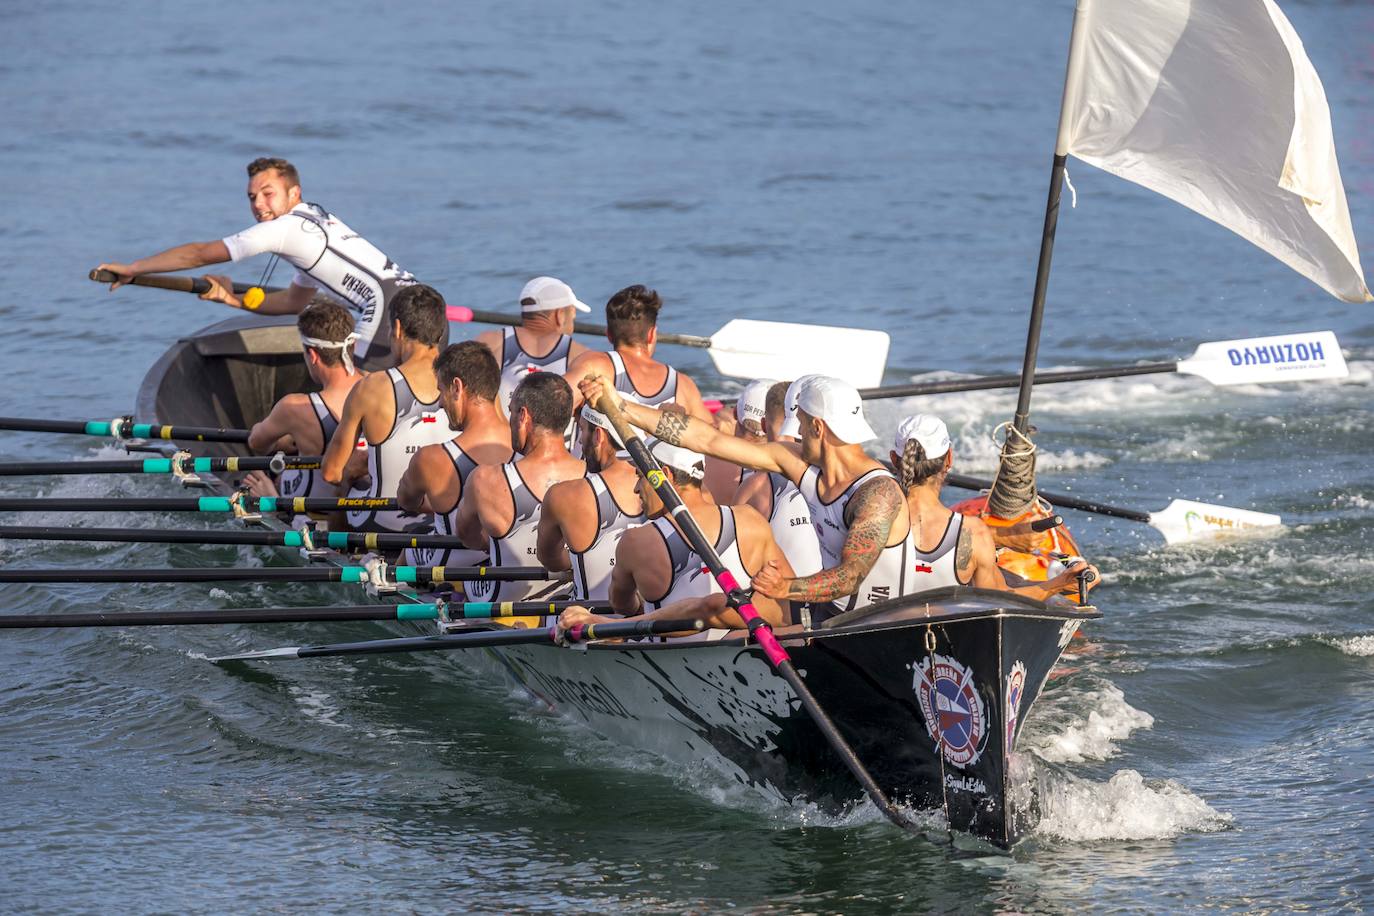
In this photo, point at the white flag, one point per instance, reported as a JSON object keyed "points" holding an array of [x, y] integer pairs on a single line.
{"points": [[1214, 104]]}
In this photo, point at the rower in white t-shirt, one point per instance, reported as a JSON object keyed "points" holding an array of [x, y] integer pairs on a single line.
{"points": [[327, 254]]}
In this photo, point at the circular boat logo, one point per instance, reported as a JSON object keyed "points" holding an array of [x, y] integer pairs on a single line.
{"points": [[1016, 686], [953, 711]]}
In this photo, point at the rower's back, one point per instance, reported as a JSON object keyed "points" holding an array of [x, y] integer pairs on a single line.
{"points": [[501, 504], [632, 329]]}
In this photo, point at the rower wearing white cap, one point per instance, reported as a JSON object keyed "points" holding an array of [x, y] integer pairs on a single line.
{"points": [[777, 498], [397, 411], [468, 378], [543, 342], [961, 549], [303, 423], [723, 478], [502, 504], [632, 329], [857, 508], [656, 567], [583, 520]]}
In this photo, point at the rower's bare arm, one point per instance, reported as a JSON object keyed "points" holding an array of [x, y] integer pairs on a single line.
{"points": [[363, 396], [182, 257], [273, 432], [414, 492], [590, 362], [713, 611], [876, 507], [976, 549], [469, 523], [756, 492], [552, 544], [689, 396], [624, 590], [492, 341]]}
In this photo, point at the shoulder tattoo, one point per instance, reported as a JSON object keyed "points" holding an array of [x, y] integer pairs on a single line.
{"points": [[963, 551], [670, 427]]}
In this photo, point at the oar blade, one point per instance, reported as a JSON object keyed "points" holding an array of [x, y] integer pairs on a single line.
{"points": [[283, 652], [1262, 360], [1184, 520], [746, 348]]}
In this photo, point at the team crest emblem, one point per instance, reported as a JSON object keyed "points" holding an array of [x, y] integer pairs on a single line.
{"points": [[952, 708], [1016, 686]]}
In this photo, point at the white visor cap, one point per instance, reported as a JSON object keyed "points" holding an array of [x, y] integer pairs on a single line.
{"points": [[597, 418], [544, 293], [928, 431], [838, 405], [753, 400], [791, 426], [691, 463]]}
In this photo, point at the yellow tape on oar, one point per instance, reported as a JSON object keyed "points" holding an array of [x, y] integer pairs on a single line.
{"points": [[252, 300]]}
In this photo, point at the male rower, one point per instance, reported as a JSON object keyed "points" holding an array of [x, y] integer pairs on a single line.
{"points": [[303, 423], [469, 378], [502, 504], [397, 411], [632, 329], [776, 498], [857, 507], [723, 478], [543, 342], [656, 568], [327, 254], [961, 549], [583, 520]]}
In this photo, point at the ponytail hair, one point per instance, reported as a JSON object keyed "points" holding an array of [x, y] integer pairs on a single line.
{"points": [[915, 468]]}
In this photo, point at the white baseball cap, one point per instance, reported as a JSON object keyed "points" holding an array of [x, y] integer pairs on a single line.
{"points": [[791, 426], [838, 405], [597, 418], [544, 293], [685, 460], [752, 400], [928, 430]]}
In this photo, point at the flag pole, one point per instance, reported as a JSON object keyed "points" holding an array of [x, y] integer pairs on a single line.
{"points": [[1042, 271]]}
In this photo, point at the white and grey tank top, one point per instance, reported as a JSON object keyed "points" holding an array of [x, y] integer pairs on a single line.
{"points": [[790, 521], [293, 482], [592, 567], [516, 363], [936, 569], [446, 521], [516, 547], [690, 577], [891, 575], [667, 394], [417, 424]]}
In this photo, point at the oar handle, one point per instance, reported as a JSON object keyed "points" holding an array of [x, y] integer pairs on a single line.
{"points": [[196, 285]]}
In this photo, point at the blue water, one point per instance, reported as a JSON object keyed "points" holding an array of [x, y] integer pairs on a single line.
{"points": [[874, 166]]}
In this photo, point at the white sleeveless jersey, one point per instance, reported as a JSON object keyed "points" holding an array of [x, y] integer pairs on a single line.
{"points": [[294, 482], [330, 256], [690, 577], [417, 424], [891, 575], [790, 520], [446, 522], [936, 569], [517, 547], [592, 567], [516, 363], [667, 394]]}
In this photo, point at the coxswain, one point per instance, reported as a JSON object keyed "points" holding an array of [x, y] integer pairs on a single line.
{"points": [[960, 547], [327, 254], [502, 504], [656, 568], [632, 329], [397, 411], [302, 423], [583, 520], [857, 506], [544, 341], [723, 478], [469, 378], [777, 498]]}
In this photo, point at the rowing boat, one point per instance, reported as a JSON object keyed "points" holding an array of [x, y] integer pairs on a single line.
{"points": [[930, 690]]}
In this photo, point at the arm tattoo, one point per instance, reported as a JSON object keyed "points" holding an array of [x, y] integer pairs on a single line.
{"points": [[873, 509], [963, 551], [670, 427]]}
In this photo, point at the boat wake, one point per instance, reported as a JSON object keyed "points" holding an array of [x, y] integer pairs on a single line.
{"points": [[1125, 807], [1089, 731], [1362, 646]]}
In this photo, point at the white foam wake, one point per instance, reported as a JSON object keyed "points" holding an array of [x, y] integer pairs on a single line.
{"points": [[1125, 807], [1353, 645], [1084, 735]]}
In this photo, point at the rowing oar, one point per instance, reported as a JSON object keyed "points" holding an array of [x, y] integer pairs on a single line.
{"points": [[738, 599], [743, 348], [124, 428], [1180, 521], [275, 463], [403, 575], [553, 635], [310, 540], [470, 610], [1249, 361], [298, 504]]}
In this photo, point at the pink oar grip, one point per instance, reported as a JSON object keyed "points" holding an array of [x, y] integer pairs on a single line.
{"points": [[713, 406], [764, 634], [459, 313]]}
